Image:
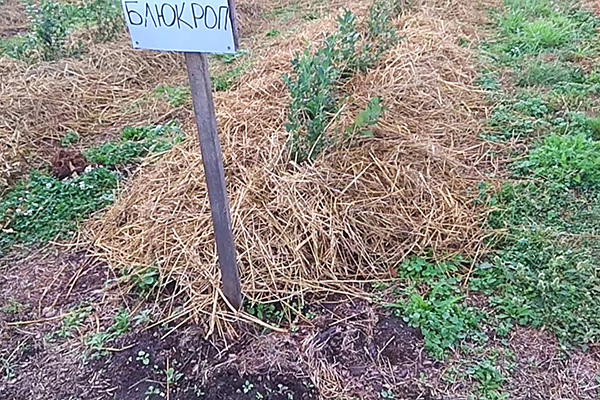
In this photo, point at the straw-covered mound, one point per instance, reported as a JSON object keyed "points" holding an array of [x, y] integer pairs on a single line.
{"points": [[94, 96], [352, 216]]}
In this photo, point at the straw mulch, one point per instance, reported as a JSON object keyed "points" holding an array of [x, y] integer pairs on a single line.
{"points": [[94, 96], [108, 87], [324, 228]]}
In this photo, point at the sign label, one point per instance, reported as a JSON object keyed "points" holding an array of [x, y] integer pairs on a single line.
{"points": [[202, 26]]}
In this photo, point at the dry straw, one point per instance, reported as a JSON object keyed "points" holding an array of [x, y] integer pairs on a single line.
{"points": [[329, 227], [95, 97]]}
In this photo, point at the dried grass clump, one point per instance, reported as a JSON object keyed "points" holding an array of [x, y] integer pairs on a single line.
{"points": [[357, 212]]}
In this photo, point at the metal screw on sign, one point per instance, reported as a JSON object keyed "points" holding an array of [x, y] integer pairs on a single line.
{"points": [[197, 28]]}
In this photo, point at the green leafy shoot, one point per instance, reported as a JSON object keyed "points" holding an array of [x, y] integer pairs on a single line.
{"points": [[367, 119]]}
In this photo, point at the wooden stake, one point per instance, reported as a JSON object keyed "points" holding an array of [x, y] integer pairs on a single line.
{"points": [[212, 158]]}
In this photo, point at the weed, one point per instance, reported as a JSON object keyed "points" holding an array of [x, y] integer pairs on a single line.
{"points": [[42, 208], [573, 161], [73, 320], [135, 144], [541, 73], [433, 303], [489, 380], [489, 81], [266, 312], [387, 394], [143, 357], [70, 138], [273, 33], [13, 307], [145, 281], [143, 318], [533, 29], [120, 323], [176, 96], [98, 341], [512, 121]]}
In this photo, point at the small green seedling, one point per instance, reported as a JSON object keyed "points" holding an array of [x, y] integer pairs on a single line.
{"points": [[143, 357], [247, 388], [366, 119], [70, 138], [173, 376], [13, 307], [153, 391]]}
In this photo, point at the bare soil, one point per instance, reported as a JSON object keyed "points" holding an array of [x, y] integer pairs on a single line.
{"points": [[351, 344]]}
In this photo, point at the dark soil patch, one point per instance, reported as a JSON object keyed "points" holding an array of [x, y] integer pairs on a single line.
{"points": [[66, 162], [276, 386], [46, 284], [349, 348]]}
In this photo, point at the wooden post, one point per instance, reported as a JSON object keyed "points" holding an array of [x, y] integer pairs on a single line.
{"points": [[212, 158]]}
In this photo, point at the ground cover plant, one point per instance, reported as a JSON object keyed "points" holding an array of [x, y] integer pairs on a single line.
{"points": [[546, 270], [42, 207]]}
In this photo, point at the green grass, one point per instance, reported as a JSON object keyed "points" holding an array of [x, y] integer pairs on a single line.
{"points": [[535, 27], [546, 268], [540, 73]]}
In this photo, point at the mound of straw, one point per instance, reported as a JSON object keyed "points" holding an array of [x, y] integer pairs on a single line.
{"points": [[324, 228], [95, 95]]}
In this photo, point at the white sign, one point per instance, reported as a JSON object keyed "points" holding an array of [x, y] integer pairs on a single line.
{"points": [[195, 26]]}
